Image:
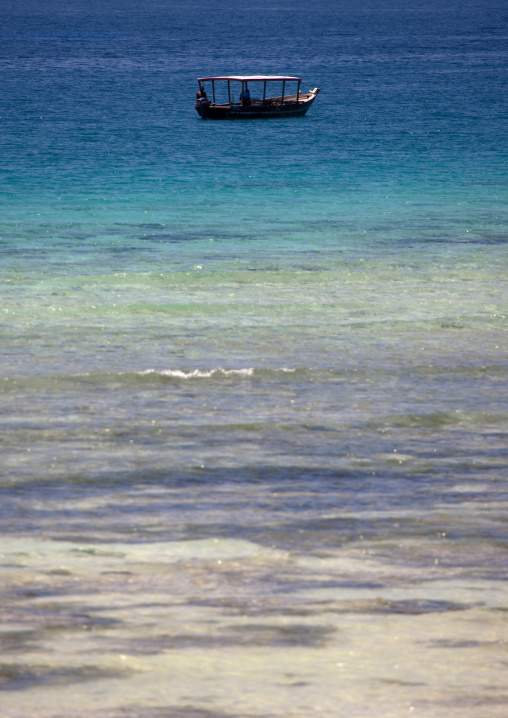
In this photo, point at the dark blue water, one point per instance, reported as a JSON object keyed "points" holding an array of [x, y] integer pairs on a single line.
{"points": [[253, 374]]}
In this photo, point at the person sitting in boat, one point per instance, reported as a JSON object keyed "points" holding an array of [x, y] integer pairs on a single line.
{"points": [[245, 97], [201, 94]]}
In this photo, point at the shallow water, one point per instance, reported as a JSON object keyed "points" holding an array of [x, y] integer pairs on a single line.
{"points": [[253, 379]]}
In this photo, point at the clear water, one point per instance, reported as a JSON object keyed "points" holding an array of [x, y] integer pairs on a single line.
{"points": [[253, 411]]}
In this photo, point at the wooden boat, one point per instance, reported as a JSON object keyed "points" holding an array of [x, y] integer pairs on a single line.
{"points": [[243, 106]]}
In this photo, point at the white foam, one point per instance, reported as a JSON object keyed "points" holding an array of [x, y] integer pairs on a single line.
{"points": [[198, 373], [207, 373]]}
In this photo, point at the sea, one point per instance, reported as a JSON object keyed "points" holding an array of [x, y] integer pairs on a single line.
{"points": [[253, 374]]}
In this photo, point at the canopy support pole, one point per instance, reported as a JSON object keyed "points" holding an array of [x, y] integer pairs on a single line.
{"points": [[283, 87], [298, 92], [229, 92], [264, 92], [213, 91]]}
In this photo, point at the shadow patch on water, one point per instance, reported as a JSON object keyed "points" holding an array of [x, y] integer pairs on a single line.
{"points": [[18, 676], [19, 641], [134, 711], [45, 623], [396, 682], [407, 607], [444, 643], [246, 635], [301, 635]]}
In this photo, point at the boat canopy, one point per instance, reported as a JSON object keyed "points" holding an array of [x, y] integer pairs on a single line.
{"points": [[253, 78]]}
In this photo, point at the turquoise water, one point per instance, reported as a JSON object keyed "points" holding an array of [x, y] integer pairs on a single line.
{"points": [[253, 417]]}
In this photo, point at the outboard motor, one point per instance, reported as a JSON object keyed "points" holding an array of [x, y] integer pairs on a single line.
{"points": [[202, 105]]}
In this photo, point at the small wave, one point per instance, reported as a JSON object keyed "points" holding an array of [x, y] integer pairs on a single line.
{"points": [[207, 373], [197, 373], [145, 376]]}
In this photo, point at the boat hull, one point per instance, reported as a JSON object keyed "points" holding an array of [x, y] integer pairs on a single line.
{"points": [[254, 111]]}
